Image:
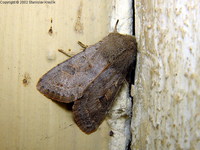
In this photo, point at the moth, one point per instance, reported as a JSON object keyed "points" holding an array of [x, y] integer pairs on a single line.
{"points": [[91, 79]]}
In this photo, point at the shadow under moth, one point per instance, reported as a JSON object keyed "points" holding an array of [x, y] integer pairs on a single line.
{"points": [[91, 79]]}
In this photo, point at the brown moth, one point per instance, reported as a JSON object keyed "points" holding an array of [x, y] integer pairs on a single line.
{"points": [[91, 79]]}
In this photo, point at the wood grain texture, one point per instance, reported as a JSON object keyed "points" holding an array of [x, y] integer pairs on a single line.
{"points": [[27, 120], [166, 112]]}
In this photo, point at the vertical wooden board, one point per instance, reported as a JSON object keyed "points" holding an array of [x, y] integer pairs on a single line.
{"points": [[28, 49], [166, 112]]}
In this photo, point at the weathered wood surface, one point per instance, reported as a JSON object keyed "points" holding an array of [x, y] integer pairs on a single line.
{"points": [[166, 112]]}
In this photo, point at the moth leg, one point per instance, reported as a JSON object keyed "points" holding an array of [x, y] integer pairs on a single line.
{"points": [[82, 45], [60, 50]]}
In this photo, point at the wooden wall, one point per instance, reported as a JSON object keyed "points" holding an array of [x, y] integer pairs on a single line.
{"points": [[30, 36], [166, 112]]}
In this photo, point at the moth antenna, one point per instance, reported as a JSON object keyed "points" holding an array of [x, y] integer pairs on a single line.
{"points": [[82, 45], [60, 50], [115, 30]]}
